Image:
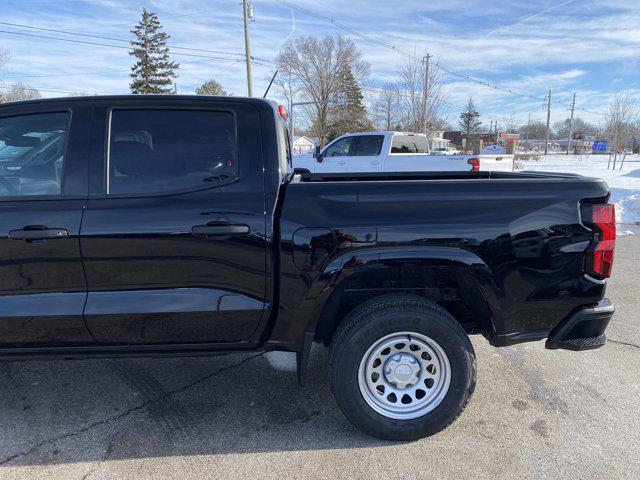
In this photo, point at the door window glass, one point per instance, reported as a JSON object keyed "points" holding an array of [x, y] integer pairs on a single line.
{"points": [[369, 145], [409, 144], [339, 148], [155, 150], [32, 151]]}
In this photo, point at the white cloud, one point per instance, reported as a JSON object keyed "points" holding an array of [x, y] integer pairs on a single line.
{"points": [[590, 46]]}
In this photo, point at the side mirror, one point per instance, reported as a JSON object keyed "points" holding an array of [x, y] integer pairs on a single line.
{"points": [[316, 154]]}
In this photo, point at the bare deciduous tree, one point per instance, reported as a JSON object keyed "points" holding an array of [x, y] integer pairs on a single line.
{"points": [[534, 130], [20, 91], [511, 125], [561, 129], [315, 66], [288, 87], [619, 120], [387, 109], [420, 115]]}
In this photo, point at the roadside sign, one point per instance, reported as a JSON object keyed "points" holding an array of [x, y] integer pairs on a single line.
{"points": [[492, 149], [599, 147]]}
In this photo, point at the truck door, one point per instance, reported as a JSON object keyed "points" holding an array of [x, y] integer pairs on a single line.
{"points": [[173, 236], [42, 194], [366, 154], [336, 155]]}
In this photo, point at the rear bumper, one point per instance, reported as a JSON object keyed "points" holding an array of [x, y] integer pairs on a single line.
{"points": [[583, 329]]}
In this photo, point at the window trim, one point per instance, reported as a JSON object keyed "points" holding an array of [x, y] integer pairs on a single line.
{"points": [[163, 193], [61, 195]]}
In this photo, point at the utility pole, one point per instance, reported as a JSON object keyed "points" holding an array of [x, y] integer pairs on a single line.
{"points": [[425, 92], [546, 143], [245, 8], [573, 106]]}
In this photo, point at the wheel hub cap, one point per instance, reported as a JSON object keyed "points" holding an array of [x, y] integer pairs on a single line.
{"points": [[402, 370], [404, 375]]}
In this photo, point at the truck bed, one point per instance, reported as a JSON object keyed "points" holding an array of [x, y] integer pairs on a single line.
{"points": [[306, 176]]}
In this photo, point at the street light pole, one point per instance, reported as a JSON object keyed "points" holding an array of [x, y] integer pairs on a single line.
{"points": [[573, 106], [245, 8], [546, 143]]}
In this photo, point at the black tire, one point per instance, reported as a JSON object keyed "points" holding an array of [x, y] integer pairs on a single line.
{"points": [[385, 315]]}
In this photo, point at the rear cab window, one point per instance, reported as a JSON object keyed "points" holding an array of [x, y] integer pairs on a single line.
{"points": [[32, 153], [404, 144], [170, 150]]}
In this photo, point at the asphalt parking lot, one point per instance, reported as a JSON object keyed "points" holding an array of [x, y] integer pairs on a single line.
{"points": [[535, 413]]}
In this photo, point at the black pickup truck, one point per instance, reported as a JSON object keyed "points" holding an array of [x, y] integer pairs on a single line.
{"points": [[172, 225]]}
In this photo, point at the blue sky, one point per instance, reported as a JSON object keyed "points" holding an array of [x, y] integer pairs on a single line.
{"points": [[591, 47]]}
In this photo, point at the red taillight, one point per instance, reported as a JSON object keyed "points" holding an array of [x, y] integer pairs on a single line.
{"points": [[603, 219], [475, 164], [283, 112]]}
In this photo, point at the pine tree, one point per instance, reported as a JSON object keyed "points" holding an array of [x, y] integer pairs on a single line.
{"points": [[470, 121], [211, 87], [153, 72], [353, 116]]}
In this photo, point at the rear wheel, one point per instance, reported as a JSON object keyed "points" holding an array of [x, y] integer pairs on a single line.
{"points": [[401, 367]]}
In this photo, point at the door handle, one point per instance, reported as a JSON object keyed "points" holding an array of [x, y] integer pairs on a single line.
{"points": [[214, 230], [341, 162], [38, 233]]}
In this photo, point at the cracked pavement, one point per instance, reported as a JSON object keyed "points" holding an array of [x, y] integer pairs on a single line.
{"points": [[535, 413]]}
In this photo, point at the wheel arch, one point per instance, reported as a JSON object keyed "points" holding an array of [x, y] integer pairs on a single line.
{"points": [[456, 279]]}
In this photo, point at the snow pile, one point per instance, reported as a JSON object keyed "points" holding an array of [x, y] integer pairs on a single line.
{"points": [[624, 184]]}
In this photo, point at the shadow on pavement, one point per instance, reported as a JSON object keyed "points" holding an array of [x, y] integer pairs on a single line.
{"points": [[96, 410]]}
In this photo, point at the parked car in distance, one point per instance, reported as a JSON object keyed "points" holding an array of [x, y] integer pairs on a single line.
{"points": [[392, 152], [444, 151], [173, 225]]}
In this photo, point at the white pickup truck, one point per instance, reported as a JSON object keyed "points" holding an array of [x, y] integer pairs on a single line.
{"points": [[392, 152]]}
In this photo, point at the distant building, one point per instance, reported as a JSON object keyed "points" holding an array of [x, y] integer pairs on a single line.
{"points": [[480, 140], [303, 144]]}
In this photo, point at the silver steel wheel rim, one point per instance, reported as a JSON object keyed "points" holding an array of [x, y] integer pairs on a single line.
{"points": [[404, 375]]}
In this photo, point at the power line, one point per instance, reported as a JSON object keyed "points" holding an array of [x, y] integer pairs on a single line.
{"points": [[409, 55], [346, 28], [49, 90], [104, 37], [102, 72], [83, 42]]}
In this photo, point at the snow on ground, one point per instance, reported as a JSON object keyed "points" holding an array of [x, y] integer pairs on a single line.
{"points": [[624, 183]]}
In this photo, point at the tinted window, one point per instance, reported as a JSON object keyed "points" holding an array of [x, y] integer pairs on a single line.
{"points": [[341, 148], [32, 150], [409, 144], [166, 150], [369, 145]]}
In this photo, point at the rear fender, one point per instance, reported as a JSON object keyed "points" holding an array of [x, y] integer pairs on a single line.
{"points": [[400, 267]]}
